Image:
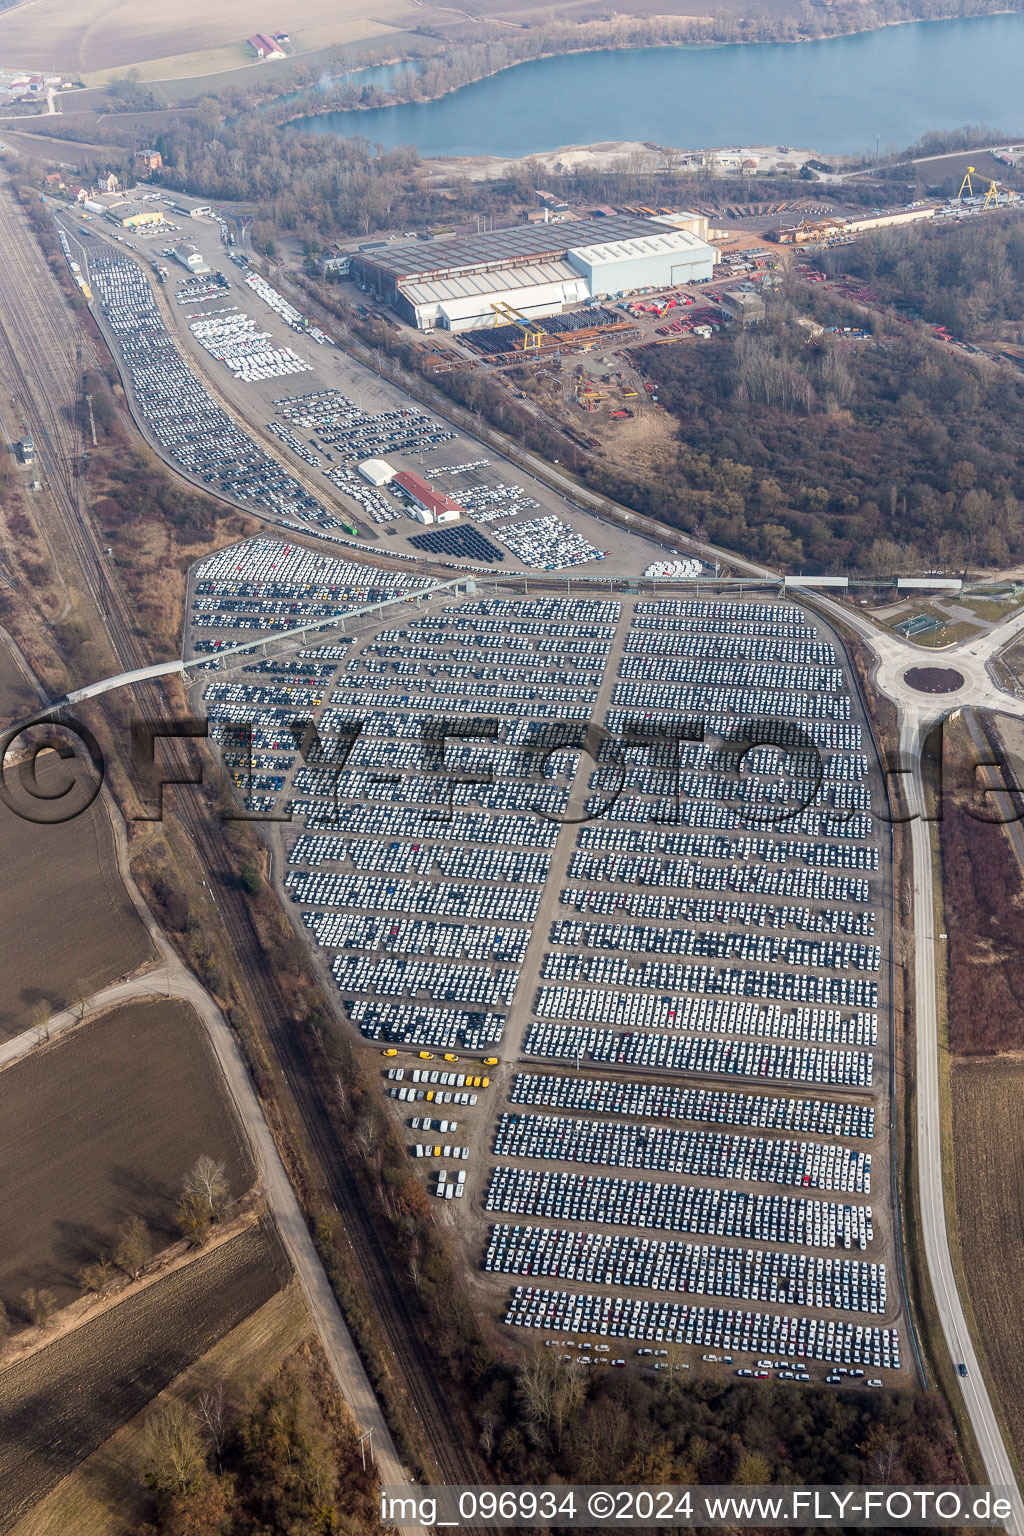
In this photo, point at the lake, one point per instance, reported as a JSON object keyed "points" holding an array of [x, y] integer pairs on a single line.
{"points": [[838, 95]]}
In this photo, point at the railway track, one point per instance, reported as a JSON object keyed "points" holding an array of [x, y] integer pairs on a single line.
{"points": [[40, 344]]}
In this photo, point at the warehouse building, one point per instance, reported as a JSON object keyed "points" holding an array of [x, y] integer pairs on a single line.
{"points": [[189, 257], [536, 269], [426, 504], [133, 216]]}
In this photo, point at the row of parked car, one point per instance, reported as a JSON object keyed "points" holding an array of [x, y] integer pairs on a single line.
{"points": [[481, 903], [624, 872], [731, 1058], [750, 1274], [418, 936], [363, 975], [633, 938], [781, 704], [808, 1338], [705, 909], [672, 1101], [705, 671], [700, 845], [666, 1149], [793, 1220], [781, 730]]}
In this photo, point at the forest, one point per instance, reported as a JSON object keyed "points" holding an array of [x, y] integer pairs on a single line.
{"points": [[966, 276], [286, 1462], [833, 454], [551, 1419]]}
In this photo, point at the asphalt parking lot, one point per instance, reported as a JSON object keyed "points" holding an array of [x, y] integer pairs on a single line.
{"points": [[683, 1000], [240, 337]]}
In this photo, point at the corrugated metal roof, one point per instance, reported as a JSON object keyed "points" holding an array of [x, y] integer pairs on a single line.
{"points": [[663, 242], [479, 284], [433, 259]]}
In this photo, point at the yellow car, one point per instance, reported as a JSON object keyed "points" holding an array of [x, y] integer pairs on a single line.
{"points": [[426, 1055], [490, 1061], [389, 1053], [449, 1057]]}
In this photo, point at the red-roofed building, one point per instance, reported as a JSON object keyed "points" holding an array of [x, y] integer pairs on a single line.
{"points": [[428, 505], [266, 47]]}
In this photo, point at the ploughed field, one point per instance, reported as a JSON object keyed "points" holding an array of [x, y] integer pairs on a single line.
{"points": [[101, 34], [59, 1404], [101, 1127], [989, 1173], [67, 925], [106, 1494], [693, 925]]}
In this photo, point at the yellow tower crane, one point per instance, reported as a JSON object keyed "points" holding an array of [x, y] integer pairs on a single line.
{"points": [[991, 195], [532, 337]]}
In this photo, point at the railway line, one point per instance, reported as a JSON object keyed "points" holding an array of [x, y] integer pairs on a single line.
{"points": [[43, 330]]}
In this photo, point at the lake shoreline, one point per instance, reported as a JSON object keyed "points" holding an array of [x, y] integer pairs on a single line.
{"points": [[326, 109]]}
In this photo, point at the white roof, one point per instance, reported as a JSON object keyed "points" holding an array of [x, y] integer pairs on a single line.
{"points": [[660, 242], [480, 284], [377, 468]]}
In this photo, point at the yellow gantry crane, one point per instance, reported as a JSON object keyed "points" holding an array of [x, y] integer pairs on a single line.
{"points": [[991, 196], [532, 337]]}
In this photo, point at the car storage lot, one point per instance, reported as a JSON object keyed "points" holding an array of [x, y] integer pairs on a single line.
{"points": [[334, 489], [685, 995]]}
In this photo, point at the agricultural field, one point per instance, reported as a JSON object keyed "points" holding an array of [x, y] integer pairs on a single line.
{"points": [[60, 1404], [989, 1175], [103, 35], [106, 1493], [67, 926], [101, 1127]]}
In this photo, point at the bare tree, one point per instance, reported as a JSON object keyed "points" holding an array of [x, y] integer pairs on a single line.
{"points": [[134, 1247], [97, 1276], [175, 1452], [206, 1183], [211, 1410], [5, 1329], [39, 1021], [193, 1218], [39, 1304]]}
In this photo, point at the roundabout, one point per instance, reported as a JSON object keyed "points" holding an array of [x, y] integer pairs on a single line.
{"points": [[934, 679]]}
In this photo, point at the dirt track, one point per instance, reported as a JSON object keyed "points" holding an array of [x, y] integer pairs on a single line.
{"points": [[101, 1126], [59, 1405]]}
